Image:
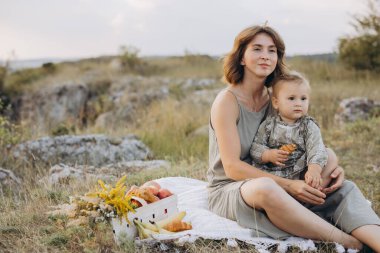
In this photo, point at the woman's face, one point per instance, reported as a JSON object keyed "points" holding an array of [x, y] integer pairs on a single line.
{"points": [[260, 56]]}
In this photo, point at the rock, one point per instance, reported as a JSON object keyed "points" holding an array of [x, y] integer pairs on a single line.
{"points": [[52, 106], [128, 104], [8, 179], [356, 108], [62, 173], [135, 166], [96, 150], [198, 83], [104, 120], [135, 100], [204, 97]]}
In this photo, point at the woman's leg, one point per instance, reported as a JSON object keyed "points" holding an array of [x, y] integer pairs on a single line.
{"points": [[353, 213], [289, 215], [370, 235]]}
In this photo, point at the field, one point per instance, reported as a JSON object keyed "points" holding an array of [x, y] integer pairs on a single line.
{"points": [[166, 126]]}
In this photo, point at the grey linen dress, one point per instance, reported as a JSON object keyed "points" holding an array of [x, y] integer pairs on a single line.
{"points": [[346, 207]]}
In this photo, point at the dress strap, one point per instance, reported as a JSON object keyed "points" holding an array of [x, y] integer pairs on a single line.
{"points": [[233, 94], [237, 101]]}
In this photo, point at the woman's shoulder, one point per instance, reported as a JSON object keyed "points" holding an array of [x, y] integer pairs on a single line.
{"points": [[225, 97], [225, 106]]}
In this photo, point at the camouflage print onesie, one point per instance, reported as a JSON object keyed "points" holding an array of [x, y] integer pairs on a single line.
{"points": [[305, 133]]}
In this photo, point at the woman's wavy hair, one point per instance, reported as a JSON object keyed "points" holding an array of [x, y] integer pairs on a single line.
{"points": [[232, 68]]}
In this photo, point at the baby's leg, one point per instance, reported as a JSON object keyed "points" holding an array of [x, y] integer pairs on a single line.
{"points": [[332, 163]]}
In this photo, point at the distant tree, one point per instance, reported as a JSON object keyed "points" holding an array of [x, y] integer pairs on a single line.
{"points": [[3, 73], [130, 59], [362, 51]]}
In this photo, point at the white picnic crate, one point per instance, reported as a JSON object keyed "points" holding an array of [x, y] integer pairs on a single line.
{"points": [[155, 211]]}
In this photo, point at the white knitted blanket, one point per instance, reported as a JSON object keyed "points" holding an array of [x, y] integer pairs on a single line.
{"points": [[192, 198]]}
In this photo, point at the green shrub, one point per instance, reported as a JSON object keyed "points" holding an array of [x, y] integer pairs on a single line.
{"points": [[63, 129], [58, 240], [16, 82], [3, 73], [9, 133], [49, 67], [130, 60], [363, 50]]}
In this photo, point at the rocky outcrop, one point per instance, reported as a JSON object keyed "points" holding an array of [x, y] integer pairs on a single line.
{"points": [[127, 105], [197, 84], [8, 180], [204, 97], [357, 108], [49, 107], [96, 150], [62, 173], [103, 100]]}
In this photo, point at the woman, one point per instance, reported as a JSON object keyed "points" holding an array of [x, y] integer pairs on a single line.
{"points": [[268, 204]]}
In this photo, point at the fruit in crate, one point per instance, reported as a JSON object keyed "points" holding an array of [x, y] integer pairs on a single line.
{"points": [[154, 188], [164, 193], [143, 193]]}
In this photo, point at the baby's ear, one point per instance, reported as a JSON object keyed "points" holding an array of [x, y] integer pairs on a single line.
{"points": [[274, 102]]}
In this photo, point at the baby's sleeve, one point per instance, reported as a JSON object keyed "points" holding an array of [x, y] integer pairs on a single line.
{"points": [[260, 143], [315, 149]]}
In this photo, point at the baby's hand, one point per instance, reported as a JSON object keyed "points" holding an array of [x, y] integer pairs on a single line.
{"points": [[313, 176], [275, 156]]}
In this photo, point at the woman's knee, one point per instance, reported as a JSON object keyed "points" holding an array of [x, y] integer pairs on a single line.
{"points": [[348, 186], [261, 191]]}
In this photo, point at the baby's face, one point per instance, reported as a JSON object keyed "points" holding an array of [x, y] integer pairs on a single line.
{"points": [[292, 101]]}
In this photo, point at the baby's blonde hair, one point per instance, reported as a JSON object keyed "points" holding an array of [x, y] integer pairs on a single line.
{"points": [[293, 77]]}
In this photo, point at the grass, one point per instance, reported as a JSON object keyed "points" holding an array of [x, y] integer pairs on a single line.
{"points": [[166, 126]]}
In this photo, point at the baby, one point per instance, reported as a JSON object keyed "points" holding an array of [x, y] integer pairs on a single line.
{"points": [[289, 144]]}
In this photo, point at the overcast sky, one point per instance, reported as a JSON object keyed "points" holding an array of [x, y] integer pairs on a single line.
{"points": [[89, 28]]}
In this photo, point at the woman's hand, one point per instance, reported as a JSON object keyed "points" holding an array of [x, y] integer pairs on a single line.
{"points": [[303, 192], [337, 178]]}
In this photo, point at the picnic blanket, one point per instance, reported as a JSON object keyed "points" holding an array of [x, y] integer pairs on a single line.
{"points": [[192, 198]]}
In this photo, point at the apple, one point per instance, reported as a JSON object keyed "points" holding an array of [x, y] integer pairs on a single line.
{"points": [[164, 193]]}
